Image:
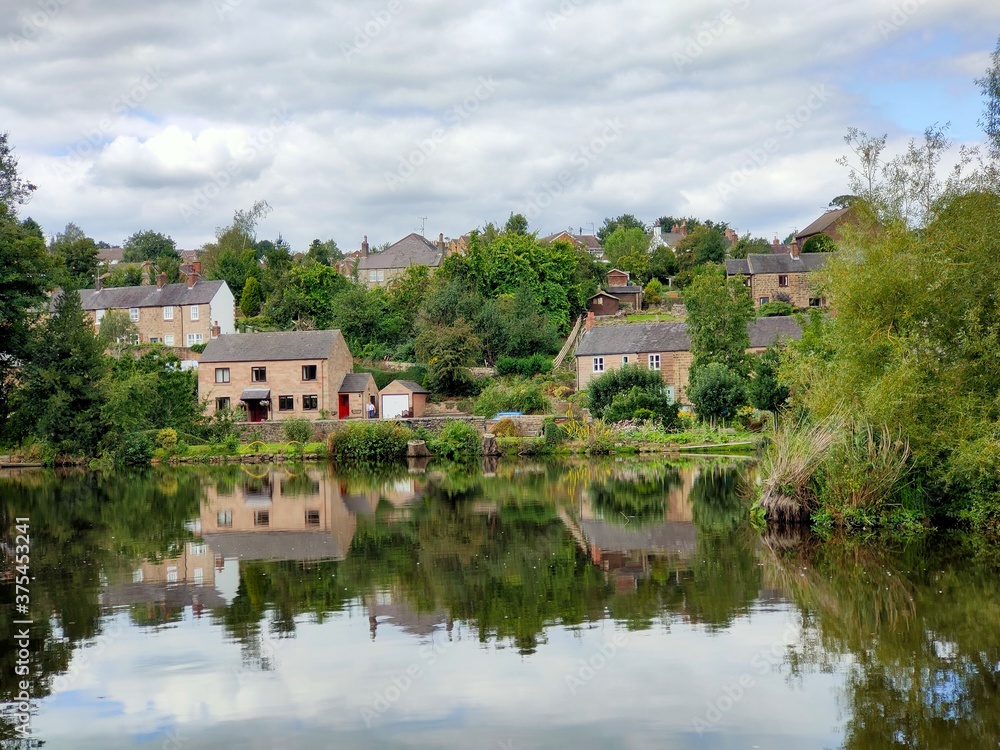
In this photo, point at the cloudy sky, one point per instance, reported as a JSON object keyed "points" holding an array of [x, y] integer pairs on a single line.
{"points": [[380, 117]]}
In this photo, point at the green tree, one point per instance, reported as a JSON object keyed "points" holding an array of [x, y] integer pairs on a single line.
{"points": [[662, 263], [625, 221], [304, 299], [14, 189], [819, 243], [717, 391], [765, 390], [325, 252], [705, 244], [623, 381], [628, 250], [449, 352], [117, 332], [148, 245], [77, 254], [718, 312], [653, 292], [252, 297], [747, 245], [989, 84], [516, 224], [61, 398]]}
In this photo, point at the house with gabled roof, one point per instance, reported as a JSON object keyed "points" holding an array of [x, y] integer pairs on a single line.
{"points": [[282, 375], [784, 277], [588, 242], [182, 315], [381, 269], [662, 347], [831, 223]]}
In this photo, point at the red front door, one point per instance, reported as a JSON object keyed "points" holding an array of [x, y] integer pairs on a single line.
{"points": [[345, 406], [256, 411]]}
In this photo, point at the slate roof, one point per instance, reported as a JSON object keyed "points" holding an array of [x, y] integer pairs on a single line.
{"points": [[673, 337], [355, 382], [412, 250], [275, 545], [736, 266], [822, 223], [110, 255], [590, 241], [625, 289], [805, 263], [124, 297], [265, 347], [411, 386]]}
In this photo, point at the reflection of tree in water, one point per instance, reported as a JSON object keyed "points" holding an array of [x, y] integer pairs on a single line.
{"points": [[715, 498], [919, 625], [640, 494]]}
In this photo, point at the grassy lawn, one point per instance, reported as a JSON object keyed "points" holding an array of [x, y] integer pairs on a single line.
{"points": [[653, 318]]}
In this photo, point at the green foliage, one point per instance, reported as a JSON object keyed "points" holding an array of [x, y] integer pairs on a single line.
{"points": [[628, 250], [457, 440], [747, 245], [198, 348], [775, 309], [553, 433], [299, 430], [449, 351], [624, 222], [14, 189], [304, 297], [643, 404], [524, 396], [368, 442], [620, 382], [167, 438], [252, 298], [75, 255], [506, 428], [148, 245], [716, 391], [117, 331], [703, 244], [653, 293], [135, 449], [324, 253], [127, 274], [764, 390], [417, 374], [718, 313], [819, 243], [526, 367]]}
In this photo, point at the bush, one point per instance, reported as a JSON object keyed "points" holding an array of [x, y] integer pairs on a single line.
{"points": [[167, 438], [369, 443], [536, 364], [456, 440], [602, 390], [717, 391], [297, 430], [416, 373], [506, 428], [775, 308], [525, 397], [553, 433], [640, 404], [135, 450]]}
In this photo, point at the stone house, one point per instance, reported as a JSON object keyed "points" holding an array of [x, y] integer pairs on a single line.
{"points": [[664, 347], [781, 277], [357, 390], [278, 375], [381, 269], [182, 315]]}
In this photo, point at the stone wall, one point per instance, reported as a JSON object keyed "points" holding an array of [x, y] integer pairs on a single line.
{"points": [[800, 288]]}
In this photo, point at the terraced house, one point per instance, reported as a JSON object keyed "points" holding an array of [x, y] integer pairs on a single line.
{"points": [[663, 347], [181, 315], [786, 277]]}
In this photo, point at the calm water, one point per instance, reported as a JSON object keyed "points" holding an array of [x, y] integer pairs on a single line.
{"points": [[520, 605]]}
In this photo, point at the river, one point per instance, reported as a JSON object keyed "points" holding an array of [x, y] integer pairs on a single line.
{"points": [[508, 606]]}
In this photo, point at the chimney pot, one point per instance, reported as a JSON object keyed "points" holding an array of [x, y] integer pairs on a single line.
{"points": [[441, 241], [161, 280], [364, 246], [795, 249]]}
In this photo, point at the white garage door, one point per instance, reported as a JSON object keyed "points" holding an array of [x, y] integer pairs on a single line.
{"points": [[393, 406]]}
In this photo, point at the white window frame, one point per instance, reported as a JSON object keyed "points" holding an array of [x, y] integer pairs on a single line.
{"points": [[168, 339], [195, 338], [654, 362], [764, 300], [168, 312], [99, 316], [598, 364], [133, 314], [624, 359], [194, 312], [222, 375], [133, 339]]}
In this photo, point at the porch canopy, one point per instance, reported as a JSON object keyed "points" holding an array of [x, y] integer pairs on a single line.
{"points": [[256, 394]]}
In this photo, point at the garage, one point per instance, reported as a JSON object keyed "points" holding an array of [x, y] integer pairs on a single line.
{"points": [[394, 405]]}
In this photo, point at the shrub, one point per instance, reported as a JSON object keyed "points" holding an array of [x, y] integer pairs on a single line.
{"points": [[637, 403], [525, 397], [506, 428], [456, 440], [167, 438], [536, 364], [135, 450], [297, 430], [653, 292], [775, 308], [717, 391], [602, 390], [369, 442], [553, 433]]}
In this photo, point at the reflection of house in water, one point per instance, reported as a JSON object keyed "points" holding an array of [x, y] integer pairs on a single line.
{"points": [[386, 608], [624, 548]]}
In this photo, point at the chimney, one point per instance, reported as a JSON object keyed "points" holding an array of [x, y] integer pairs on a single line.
{"points": [[98, 282], [591, 318], [684, 228], [364, 247], [192, 279], [776, 241], [216, 330], [795, 248], [441, 243], [196, 266], [675, 229], [161, 280]]}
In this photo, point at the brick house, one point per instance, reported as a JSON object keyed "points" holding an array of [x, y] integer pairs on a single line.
{"points": [[664, 347], [831, 223], [279, 375], [781, 277], [381, 269], [182, 315], [588, 242], [620, 286]]}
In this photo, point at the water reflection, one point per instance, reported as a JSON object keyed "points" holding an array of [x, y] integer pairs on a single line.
{"points": [[513, 557]]}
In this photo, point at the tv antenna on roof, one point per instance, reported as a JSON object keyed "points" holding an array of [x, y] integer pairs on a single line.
{"points": [[423, 224]]}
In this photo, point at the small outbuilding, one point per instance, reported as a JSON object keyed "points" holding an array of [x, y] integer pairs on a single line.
{"points": [[403, 398], [602, 304], [357, 391]]}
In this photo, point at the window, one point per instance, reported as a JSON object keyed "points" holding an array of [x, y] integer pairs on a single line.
{"points": [[154, 340], [625, 359], [199, 576], [654, 361], [668, 391], [814, 302], [133, 339], [258, 374], [764, 300], [308, 372], [310, 403], [172, 574], [600, 301], [225, 518], [221, 374], [133, 314], [197, 549], [286, 403], [262, 518], [137, 576], [312, 518], [195, 338], [782, 281], [598, 364], [194, 312], [221, 404], [168, 312], [376, 276], [168, 339], [99, 316]]}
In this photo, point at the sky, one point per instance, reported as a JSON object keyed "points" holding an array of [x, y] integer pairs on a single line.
{"points": [[378, 118]]}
